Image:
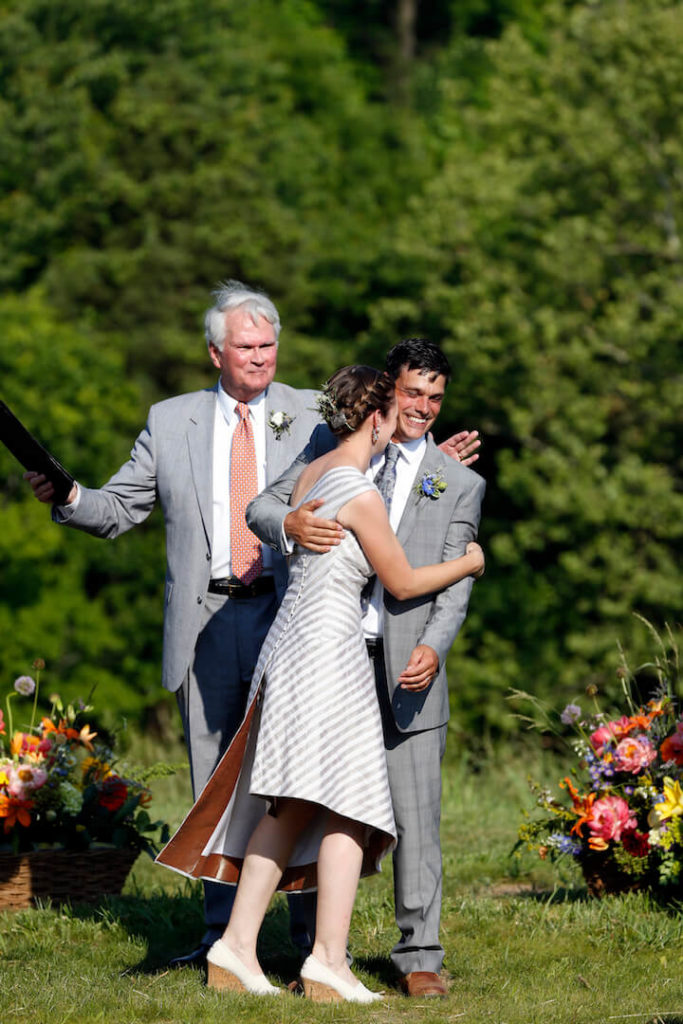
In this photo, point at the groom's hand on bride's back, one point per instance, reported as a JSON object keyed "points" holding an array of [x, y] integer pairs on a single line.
{"points": [[309, 531]]}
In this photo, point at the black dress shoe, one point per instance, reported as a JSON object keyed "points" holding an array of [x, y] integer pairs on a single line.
{"points": [[197, 958]]}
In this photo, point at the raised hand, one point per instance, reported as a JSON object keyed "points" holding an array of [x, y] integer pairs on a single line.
{"points": [[462, 446]]}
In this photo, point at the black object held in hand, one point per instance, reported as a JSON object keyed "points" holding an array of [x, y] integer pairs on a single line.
{"points": [[31, 454]]}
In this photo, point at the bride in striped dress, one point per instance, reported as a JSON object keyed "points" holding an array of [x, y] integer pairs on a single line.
{"points": [[300, 799]]}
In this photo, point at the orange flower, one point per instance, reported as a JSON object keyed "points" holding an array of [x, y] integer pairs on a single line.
{"points": [[672, 747], [13, 809], [596, 843], [583, 805], [24, 743], [61, 728], [86, 737]]}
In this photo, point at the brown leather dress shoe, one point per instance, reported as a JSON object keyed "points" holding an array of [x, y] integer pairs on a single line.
{"points": [[423, 985]]}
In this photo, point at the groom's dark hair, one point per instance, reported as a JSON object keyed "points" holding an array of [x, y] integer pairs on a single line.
{"points": [[417, 354]]}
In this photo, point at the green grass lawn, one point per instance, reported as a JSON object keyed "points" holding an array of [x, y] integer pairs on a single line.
{"points": [[524, 943]]}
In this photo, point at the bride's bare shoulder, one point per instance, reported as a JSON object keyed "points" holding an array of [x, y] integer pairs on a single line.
{"points": [[367, 506], [309, 476]]}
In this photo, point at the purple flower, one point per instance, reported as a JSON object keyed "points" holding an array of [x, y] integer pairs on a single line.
{"points": [[564, 844], [432, 485], [25, 685], [571, 714]]}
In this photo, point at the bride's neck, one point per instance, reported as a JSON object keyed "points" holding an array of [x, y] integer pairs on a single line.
{"points": [[355, 450]]}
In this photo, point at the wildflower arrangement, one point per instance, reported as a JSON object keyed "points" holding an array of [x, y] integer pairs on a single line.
{"points": [[60, 783], [620, 813], [431, 485]]}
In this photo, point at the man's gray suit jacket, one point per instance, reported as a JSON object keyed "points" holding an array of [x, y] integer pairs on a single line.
{"points": [[430, 531], [172, 461]]}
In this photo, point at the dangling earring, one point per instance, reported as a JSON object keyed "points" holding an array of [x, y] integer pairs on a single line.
{"points": [[375, 434]]}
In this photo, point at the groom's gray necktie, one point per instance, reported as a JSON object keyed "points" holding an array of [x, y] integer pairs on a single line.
{"points": [[385, 482]]}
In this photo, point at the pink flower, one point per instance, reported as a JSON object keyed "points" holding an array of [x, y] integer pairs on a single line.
{"points": [[611, 816], [633, 754], [24, 778], [608, 734]]}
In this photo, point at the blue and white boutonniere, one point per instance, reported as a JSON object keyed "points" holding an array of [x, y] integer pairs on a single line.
{"points": [[431, 485], [279, 423]]}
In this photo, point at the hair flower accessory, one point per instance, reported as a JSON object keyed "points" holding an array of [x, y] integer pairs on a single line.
{"points": [[326, 405], [279, 423], [431, 485]]}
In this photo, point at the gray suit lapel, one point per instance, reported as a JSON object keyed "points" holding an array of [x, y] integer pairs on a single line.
{"points": [[200, 447], [279, 453]]}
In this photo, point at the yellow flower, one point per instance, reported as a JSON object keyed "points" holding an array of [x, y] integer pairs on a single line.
{"points": [[672, 804], [92, 766]]}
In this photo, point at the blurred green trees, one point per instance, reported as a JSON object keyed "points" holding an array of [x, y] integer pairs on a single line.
{"points": [[548, 260], [523, 208]]}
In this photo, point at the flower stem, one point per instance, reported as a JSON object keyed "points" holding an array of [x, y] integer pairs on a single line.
{"points": [[10, 721], [35, 701]]}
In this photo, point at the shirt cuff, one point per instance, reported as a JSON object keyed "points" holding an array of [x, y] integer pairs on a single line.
{"points": [[286, 543], [62, 513]]}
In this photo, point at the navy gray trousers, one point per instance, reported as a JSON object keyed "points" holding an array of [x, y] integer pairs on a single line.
{"points": [[414, 767]]}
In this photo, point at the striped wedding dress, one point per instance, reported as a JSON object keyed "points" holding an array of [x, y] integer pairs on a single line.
{"points": [[313, 728]]}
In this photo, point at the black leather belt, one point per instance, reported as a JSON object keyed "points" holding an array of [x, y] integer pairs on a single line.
{"points": [[375, 646], [235, 589]]}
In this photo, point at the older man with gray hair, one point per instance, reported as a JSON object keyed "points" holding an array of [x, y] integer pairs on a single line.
{"points": [[203, 456]]}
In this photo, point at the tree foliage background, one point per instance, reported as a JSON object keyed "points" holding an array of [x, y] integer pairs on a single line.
{"points": [[505, 177]]}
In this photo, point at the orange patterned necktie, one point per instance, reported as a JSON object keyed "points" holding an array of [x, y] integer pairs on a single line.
{"points": [[245, 549]]}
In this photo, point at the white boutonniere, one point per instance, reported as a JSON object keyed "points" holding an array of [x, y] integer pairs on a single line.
{"points": [[431, 485], [279, 423]]}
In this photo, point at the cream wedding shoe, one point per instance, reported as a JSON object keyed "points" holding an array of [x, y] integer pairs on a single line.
{"points": [[226, 971], [322, 985]]}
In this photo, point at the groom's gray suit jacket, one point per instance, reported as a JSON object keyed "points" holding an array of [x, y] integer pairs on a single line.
{"points": [[430, 531], [172, 461]]}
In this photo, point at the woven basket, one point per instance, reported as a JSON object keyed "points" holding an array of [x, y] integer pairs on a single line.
{"points": [[63, 875]]}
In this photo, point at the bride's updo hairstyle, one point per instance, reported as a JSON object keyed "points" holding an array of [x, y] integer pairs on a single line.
{"points": [[351, 395]]}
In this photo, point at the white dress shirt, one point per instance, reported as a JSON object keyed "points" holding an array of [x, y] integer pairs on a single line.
{"points": [[410, 455]]}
